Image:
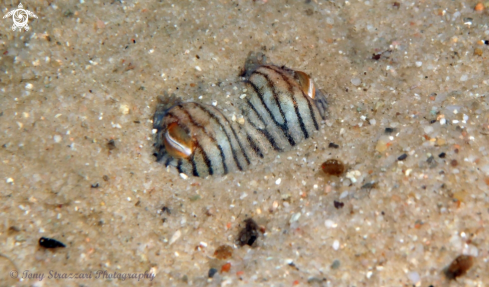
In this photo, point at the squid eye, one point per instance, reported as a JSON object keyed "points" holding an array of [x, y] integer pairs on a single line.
{"points": [[177, 142], [306, 84]]}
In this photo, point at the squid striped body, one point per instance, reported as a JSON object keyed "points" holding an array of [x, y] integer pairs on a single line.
{"points": [[282, 108]]}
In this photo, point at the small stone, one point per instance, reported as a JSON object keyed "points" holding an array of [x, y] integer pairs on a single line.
{"points": [[10, 180], [212, 272], [333, 167], [29, 86], [94, 185], [50, 243], [333, 145], [381, 146], [479, 7], [441, 142], [338, 204], [414, 277], [336, 245], [278, 181], [419, 64], [57, 138], [249, 234], [111, 144], [175, 237], [464, 78], [336, 264], [459, 266], [454, 162], [295, 217], [389, 130], [442, 155], [223, 252], [402, 157], [356, 81], [226, 267], [478, 52], [124, 109]]}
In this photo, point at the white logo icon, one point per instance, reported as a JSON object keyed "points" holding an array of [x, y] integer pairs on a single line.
{"points": [[20, 17]]}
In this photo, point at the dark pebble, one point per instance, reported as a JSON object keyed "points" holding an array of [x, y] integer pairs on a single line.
{"points": [[333, 145], [389, 130], [336, 264], [402, 157], [50, 243], [105, 178], [166, 209], [212, 272], [442, 155], [486, 42], [338, 204], [454, 163], [459, 266], [111, 144], [94, 185], [249, 234]]}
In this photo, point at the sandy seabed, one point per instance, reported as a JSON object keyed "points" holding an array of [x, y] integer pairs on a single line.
{"points": [[407, 84]]}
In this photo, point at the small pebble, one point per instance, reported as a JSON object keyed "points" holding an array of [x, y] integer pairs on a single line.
{"points": [[336, 245], [249, 234], [223, 252], [338, 204], [94, 185], [356, 81], [111, 144], [226, 267], [333, 167], [212, 272], [442, 155], [402, 157], [29, 86], [419, 64], [57, 138], [389, 130], [333, 145], [459, 266], [414, 277], [50, 243], [336, 264], [454, 162]]}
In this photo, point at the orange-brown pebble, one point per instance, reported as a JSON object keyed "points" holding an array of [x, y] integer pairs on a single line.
{"points": [[226, 267], [478, 52], [333, 167], [240, 273], [486, 180], [479, 7], [459, 266], [223, 252]]}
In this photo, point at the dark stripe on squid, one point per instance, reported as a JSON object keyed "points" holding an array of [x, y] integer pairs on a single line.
{"points": [[213, 140], [284, 126], [254, 146], [179, 165], [233, 151], [296, 107], [223, 159], [195, 172], [265, 132]]}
